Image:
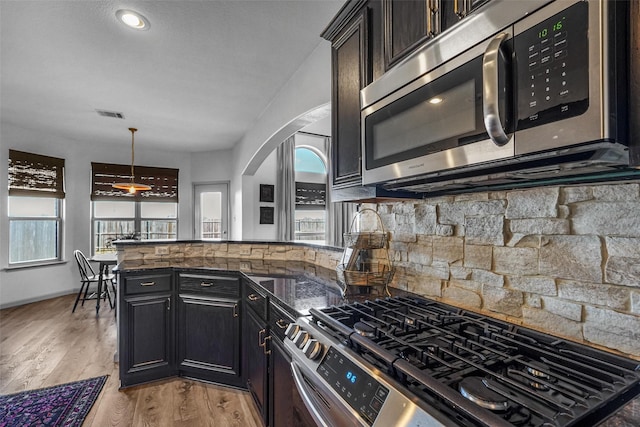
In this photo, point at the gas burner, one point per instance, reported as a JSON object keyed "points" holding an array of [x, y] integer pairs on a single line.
{"points": [[541, 375], [476, 390], [537, 373], [364, 330], [521, 376]]}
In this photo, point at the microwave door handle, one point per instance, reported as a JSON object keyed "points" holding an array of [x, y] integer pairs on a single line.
{"points": [[490, 91]]}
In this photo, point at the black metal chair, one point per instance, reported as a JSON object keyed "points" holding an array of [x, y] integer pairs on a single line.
{"points": [[88, 277]]}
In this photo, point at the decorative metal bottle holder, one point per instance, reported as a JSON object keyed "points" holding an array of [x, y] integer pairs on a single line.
{"points": [[365, 265]]}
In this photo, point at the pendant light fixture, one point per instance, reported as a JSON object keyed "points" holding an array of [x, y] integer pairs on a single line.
{"points": [[132, 186]]}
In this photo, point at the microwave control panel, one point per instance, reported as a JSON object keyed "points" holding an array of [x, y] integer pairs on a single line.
{"points": [[552, 61]]}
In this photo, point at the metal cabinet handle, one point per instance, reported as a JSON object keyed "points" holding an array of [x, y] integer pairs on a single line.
{"points": [[235, 310], [253, 297], [282, 324], [433, 17], [206, 284], [461, 11], [429, 19], [168, 304], [490, 91], [261, 337], [147, 283], [264, 345]]}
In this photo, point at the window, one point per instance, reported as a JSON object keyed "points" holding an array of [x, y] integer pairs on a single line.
{"points": [[114, 220], [310, 213], [148, 215], [36, 194]]}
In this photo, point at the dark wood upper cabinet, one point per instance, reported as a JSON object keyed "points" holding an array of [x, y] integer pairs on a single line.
{"points": [[349, 61], [407, 24]]}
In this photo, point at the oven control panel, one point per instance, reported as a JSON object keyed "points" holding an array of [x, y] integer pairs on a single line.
{"points": [[553, 68], [359, 389]]}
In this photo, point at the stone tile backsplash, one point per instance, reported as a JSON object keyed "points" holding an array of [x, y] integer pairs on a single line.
{"points": [[564, 260]]}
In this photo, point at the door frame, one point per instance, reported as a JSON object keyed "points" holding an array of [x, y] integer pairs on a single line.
{"points": [[197, 188]]}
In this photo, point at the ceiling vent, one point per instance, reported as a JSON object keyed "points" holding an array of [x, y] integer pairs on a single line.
{"points": [[113, 114]]}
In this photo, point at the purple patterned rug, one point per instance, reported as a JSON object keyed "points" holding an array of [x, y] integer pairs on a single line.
{"points": [[64, 405]]}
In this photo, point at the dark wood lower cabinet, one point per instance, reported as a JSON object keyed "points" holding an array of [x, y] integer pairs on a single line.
{"points": [[209, 338], [255, 354], [197, 324], [287, 408], [146, 343]]}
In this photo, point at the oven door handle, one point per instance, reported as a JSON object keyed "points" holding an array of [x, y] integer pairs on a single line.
{"points": [[298, 379], [490, 91]]}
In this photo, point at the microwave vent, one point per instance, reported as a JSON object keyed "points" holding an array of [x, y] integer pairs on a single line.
{"points": [[113, 114]]}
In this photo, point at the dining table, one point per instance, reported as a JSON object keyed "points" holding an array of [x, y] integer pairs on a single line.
{"points": [[105, 260]]}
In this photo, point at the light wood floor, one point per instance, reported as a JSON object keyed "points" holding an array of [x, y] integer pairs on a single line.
{"points": [[44, 344]]}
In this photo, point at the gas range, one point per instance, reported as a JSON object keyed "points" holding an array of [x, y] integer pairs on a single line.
{"points": [[411, 361]]}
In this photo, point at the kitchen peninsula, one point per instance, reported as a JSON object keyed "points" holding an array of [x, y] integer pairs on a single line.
{"points": [[246, 300], [217, 311]]}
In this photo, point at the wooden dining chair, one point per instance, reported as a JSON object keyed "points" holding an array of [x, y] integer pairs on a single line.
{"points": [[88, 277]]}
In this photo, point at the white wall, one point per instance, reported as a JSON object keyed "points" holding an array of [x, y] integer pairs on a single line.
{"points": [[303, 100], [29, 284], [211, 166], [266, 174]]}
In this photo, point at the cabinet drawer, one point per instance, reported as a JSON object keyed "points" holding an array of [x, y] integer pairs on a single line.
{"points": [[256, 298], [147, 284], [201, 283], [279, 319]]}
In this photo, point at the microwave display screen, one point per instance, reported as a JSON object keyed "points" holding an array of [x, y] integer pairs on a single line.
{"points": [[439, 118]]}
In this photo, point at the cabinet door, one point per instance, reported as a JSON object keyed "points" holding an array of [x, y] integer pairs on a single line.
{"points": [[255, 345], [349, 68], [146, 339], [287, 408], [209, 338], [408, 24]]}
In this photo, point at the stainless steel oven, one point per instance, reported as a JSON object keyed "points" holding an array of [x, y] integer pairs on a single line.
{"points": [[532, 87], [409, 361]]}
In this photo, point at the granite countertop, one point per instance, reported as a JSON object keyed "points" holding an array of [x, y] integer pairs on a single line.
{"points": [[133, 242], [297, 284], [628, 416], [301, 286]]}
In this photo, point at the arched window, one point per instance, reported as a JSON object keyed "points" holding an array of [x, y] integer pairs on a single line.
{"points": [[307, 160], [310, 210]]}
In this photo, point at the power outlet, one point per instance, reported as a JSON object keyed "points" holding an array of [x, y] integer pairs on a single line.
{"points": [[162, 250]]}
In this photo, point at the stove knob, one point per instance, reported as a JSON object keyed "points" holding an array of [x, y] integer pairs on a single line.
{"points": [[312, 349], [301, 339], [291, 331]]}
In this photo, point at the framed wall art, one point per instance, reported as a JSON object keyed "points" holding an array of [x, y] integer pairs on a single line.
{"points": [[266, 192], [266, 215]]}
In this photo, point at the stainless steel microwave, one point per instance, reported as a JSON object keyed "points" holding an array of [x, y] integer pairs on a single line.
{"points": [[519, 90]]}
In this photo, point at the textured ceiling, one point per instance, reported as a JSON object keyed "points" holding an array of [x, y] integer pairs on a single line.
{"points": [[197, 80]]}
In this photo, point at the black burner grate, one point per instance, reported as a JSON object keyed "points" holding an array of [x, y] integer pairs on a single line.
{"points": [[431, 347]]}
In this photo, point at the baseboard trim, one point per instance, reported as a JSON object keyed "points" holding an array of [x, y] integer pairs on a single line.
{"points": [[39, 298]]}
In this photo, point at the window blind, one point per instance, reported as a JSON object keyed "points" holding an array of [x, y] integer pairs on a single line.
{"points": [[35, 175], [310, 195], [163, 182]]}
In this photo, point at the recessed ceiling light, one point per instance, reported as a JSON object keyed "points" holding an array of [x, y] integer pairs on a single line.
{"points": [[435, 100], [133, 19]]}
